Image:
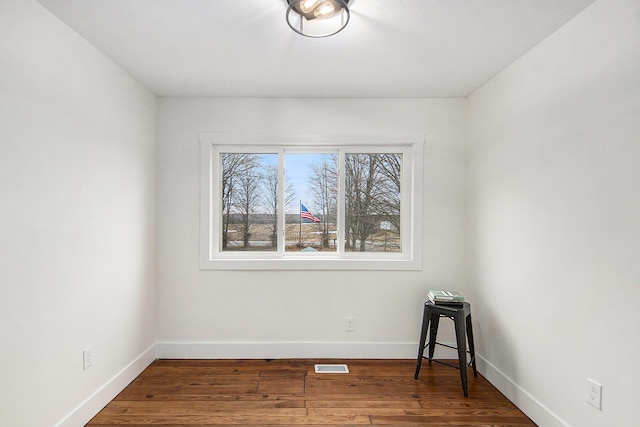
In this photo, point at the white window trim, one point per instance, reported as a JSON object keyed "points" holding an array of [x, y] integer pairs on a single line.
{"points": [[409, 259]]}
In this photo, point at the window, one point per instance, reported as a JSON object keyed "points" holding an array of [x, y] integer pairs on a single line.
{"points": [[310, 202]]}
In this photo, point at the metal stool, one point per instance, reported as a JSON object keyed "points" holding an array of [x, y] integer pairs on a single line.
{"points": [[461, 316]]}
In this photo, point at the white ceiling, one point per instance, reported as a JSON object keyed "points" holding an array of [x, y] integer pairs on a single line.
{"points": [[391, 48]]}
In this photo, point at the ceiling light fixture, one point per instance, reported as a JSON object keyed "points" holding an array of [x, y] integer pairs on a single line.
{"points": [[318, 18]]}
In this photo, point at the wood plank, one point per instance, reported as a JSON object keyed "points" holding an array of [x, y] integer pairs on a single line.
{"points": [[177, 406], [363, 403], [105, 419], [448, 420]]}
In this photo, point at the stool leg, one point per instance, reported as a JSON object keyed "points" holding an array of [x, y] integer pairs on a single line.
{"points": [[423, 338], [460, 326], [472, 348], [433, 333]]}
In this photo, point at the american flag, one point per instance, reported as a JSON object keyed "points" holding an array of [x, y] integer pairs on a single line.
{"points": [[304, 213]]}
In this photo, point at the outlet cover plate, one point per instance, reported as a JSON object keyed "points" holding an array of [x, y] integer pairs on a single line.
{"points": [[87, 358], [594, 393]]}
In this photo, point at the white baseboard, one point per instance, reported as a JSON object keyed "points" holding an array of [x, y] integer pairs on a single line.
{"points": [[539, 414], [98, 400], [287, 350]]}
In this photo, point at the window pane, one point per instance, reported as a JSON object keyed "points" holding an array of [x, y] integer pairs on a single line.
{"points": [[372, 202], [312, 192], [249, 201]]}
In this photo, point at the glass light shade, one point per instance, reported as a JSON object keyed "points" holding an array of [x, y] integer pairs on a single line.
{"points": [[317, 18]]}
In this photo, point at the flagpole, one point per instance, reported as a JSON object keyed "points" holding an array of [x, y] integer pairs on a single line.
{"points": [[300, 215]]}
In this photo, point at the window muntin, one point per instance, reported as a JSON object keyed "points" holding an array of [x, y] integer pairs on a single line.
{"points": [[394, 244]]}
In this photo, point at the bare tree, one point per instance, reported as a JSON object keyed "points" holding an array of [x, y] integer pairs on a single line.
{"points": [[270, 199], [324, 186], [236, 167], [372, 194], [389, 203], [247, 200], [360, 180]]}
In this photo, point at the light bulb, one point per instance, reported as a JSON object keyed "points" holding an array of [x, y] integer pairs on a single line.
{"points": [[307, 6], [325, 10]]}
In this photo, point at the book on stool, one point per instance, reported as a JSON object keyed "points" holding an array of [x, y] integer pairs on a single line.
{"points": [[444, 297]]}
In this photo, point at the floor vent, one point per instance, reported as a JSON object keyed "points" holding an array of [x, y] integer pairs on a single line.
{"points": [[332, 369]]}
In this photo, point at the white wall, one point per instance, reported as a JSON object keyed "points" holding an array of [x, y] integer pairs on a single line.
{"points": [[302, 313], [77, 219], [555, 208]]}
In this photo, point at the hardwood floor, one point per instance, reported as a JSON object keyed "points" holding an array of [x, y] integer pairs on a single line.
{"points": [[290, 393]]}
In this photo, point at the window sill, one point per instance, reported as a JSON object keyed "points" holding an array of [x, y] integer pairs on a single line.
{"points": [[398, 264]]}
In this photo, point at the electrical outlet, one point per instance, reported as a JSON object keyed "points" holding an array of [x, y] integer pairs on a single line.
{"points": [[351, 324], [594, 393], [87, 358]]}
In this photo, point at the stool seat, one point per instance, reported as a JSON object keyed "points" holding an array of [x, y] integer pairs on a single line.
{"points": [[461, 316]]}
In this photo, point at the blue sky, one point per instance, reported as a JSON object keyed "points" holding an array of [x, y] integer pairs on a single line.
{"points": [[297, 169]]}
